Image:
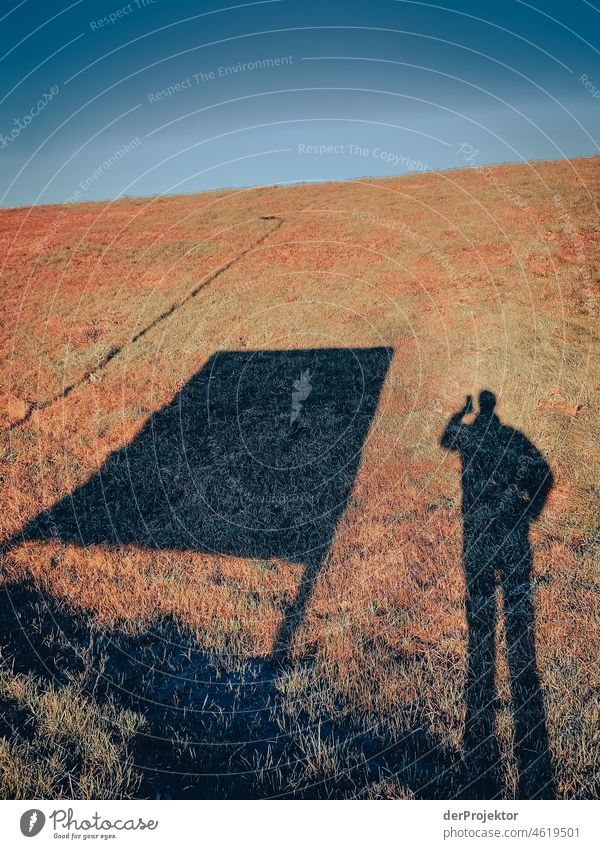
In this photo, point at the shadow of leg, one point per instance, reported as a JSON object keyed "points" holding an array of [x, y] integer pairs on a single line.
{"points": [[480, 745], [531, 747]]}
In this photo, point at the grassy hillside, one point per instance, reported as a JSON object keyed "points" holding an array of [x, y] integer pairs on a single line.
{"points": [[137, 669]]}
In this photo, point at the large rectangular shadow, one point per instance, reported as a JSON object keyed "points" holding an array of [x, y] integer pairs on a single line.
{"points": [[255, 457]]}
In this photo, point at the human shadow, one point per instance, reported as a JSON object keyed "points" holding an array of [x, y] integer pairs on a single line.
{"points": [[505, 483], [255, 457]]}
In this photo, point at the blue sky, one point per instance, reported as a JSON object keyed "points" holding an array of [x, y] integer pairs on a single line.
{"points": [[101, 98]]}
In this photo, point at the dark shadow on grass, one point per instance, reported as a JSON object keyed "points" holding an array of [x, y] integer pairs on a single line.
{"points": [[255, 458], [217, 727], [505, 484]]}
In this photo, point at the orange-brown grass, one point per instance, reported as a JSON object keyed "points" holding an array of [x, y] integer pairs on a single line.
{"points": [[471, 291]]}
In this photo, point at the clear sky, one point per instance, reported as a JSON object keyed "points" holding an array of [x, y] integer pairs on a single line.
{"points": [[101, 98]]}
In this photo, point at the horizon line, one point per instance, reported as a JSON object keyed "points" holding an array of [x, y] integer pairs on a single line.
{"points": [[292, 183]]}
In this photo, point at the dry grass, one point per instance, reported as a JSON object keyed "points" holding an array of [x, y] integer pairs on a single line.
{"points": [[471, 291], [65, 744]]}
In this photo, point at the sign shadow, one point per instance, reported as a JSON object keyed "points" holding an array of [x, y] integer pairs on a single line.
{"points": [[255, 457]]}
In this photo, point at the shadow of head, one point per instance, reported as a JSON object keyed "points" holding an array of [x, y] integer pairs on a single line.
{"points": [[487, 403], [254, 457]]}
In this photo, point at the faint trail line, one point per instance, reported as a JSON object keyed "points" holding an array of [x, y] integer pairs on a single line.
{"points": [[114, 352]]}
